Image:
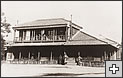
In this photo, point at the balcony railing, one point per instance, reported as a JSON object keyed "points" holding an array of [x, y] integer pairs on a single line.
{"points": [[41, 39]]}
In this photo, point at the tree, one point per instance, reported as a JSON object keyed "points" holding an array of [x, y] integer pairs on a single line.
{"points": [[5, 28]]}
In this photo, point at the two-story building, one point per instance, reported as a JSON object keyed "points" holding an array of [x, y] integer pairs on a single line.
{"points": [[48, 39]]}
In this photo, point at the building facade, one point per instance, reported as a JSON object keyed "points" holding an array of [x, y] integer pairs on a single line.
{"points": [[49, 40]]}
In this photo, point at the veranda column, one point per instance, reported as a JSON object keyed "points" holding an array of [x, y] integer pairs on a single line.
{"points": [[14, 34], [105, 56], [51, 56], [38, 58], [66, 34], [38, 55], [110, 56], [118, 54], [114, 56], [102, 58], [29, 56], [23, 36], [41, 35], [78, 53], [20, 56], [34, 34], [53, 35]]}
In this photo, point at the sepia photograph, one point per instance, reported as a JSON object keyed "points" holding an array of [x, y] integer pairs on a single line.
{"points": [[60, 38]]}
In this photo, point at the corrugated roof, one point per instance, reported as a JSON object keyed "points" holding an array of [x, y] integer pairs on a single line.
{"points": [[84, 38], [110, 42], [46, 22]]}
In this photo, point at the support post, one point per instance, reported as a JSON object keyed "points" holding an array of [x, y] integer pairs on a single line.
{"points": [[41, 35], [110, 56], [53, 35], [14, 34], [51, 56], [78, 53], [71, 31], [105, 56], [23, 35], [38, 56], [29, 56], [114, 55], [66, 33], [20, 56], [34, 34]]}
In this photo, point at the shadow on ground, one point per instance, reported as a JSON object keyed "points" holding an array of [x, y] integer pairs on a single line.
{"points": [[66, 74]]}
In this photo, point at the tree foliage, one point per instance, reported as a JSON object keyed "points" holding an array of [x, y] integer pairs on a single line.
{"points": [[5, 28]]}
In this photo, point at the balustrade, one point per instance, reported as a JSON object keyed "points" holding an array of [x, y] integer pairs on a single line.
{"points": [[41, 38]]}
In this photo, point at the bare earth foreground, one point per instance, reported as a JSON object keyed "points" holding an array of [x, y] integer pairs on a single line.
{"points": [[35, 70]]}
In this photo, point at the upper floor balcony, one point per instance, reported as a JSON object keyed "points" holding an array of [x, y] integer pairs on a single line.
{"points": [[41, 35], [58, 38], [45, 30]]}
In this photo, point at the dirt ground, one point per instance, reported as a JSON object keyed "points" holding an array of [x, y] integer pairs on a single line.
{"points": [[43, 70]]}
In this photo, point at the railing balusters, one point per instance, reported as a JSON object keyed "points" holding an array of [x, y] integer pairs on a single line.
{"points": [[44, 39]]}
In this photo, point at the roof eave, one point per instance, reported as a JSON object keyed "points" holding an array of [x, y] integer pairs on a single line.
{"points": [[40, 26]]}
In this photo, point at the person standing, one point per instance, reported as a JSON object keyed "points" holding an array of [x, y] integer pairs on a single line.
{"points": [[65, 57]]}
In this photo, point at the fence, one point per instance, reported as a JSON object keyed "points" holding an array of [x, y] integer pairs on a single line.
{"points": [[32, 62]]}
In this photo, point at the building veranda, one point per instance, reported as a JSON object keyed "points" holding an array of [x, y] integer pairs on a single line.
{"points": [[59, 41]]}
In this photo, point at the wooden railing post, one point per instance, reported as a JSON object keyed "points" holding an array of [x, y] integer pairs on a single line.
{"points": [[14, 34]]}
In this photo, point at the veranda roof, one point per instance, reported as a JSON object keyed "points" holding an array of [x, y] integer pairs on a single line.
{"points": [[84, 38]]}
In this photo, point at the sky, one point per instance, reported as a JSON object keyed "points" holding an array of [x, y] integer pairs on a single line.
{"points": [[103, 18]]}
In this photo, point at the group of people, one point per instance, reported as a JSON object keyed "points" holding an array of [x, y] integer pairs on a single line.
{"points": [[63, 59]]}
